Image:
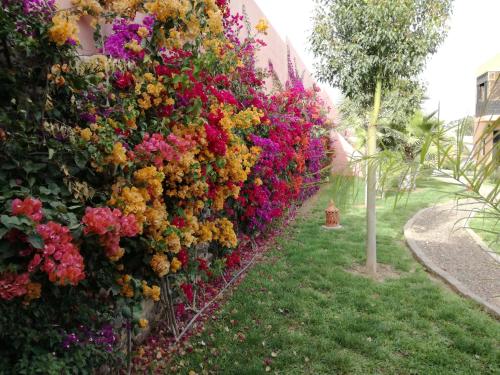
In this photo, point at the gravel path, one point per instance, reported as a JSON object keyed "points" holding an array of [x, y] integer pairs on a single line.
{"points": [[446, 244]]}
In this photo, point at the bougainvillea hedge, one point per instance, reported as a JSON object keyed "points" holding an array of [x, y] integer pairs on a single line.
{"points": [[133, 171]]}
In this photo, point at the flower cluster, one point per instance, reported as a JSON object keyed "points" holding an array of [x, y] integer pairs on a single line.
{"points": [[29, 207], [110, 226], [60, 258], [127, 38], [56, 255]]}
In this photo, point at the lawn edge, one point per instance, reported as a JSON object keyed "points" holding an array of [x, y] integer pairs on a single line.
{"points": [[435, 270]]}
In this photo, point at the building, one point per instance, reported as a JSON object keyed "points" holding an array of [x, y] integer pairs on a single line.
{"points": [[487, 124]]}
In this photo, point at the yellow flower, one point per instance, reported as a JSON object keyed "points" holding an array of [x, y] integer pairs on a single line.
{"points": [[127, 291], [86, 134], [151, 292], [141, 352], [143, 323], [150, 177], [160, 264], [167, 9], [134, 46], [215, 22], [155, 293], [258, 181], [145, 102], [64, 28], [143, 32], [118, 156], [175, 265], [88, 6], [174, 243], [130, 200], [117, 255], [155, 89], [112, 123], [262, 26], [149, 77], [126, 7]]}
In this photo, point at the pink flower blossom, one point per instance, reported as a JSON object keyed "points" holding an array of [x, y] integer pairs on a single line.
{"points": [[29, 207]]}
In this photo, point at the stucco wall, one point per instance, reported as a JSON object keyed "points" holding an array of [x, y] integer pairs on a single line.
{"points": [[483, 145], [276, 49]]}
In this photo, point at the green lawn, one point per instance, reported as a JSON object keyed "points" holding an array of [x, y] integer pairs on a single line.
{"points": [[300, 312], [489, 230]]}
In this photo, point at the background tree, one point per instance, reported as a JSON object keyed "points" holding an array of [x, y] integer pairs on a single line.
{"points": [[367, 47]]}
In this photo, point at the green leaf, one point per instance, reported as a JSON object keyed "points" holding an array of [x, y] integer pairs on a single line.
{"points": [[10, 221], [80, 160], [36, 241]]}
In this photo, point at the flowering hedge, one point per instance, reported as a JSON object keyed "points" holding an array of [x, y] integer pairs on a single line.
{"points": [[131, 174]]}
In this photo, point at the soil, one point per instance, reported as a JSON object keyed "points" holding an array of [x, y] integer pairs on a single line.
{"points": [[384, 272]]}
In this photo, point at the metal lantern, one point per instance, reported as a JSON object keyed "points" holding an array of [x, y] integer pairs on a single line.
{"points": [[332, 216]]}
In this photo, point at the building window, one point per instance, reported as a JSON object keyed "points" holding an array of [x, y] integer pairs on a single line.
{"points": [[482, 91], [496, 146]]}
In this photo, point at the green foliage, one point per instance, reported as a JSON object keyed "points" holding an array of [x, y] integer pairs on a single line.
{"points": [[358, 42], [398, 107]]}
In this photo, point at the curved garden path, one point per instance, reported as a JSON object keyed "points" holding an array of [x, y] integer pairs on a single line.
{"points": [[437, 237]]}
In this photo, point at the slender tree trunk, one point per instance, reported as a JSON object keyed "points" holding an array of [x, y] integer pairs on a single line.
{"points": [[371, 184]]}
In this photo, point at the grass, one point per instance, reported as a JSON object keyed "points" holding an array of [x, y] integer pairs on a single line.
{"points": [[488, 228], [300, 312]]}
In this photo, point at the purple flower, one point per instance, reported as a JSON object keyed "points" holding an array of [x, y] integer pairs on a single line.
{"points": [[104, 337], [125, 34], [88, 117]]}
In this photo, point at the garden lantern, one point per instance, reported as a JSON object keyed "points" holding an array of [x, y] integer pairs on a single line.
{"points": [[332, 217]]}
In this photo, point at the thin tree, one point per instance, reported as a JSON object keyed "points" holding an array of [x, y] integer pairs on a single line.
{"points": [[367, 47]]}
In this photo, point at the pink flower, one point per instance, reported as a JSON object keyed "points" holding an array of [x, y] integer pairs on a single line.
{"points": [[159, 149], [110, 226], [29, 207], [99, 220], [13, 285], [62, 260]]}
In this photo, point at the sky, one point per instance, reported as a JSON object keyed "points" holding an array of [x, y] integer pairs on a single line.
{"points": [[450, 75]]}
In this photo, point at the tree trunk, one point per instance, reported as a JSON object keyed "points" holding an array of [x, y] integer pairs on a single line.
{"points": [[371, 184]]}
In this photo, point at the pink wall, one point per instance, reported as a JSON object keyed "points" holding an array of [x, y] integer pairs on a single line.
{"points": [[276, 49]]}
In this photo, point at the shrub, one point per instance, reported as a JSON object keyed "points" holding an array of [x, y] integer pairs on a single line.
{"points": [[117, 167]]}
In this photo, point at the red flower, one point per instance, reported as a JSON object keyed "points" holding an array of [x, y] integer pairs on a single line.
{"points": [[124, 80], [183, 256], [13, 285], [233, 260], [188, 292], [29, 207], [165, 111], [217, 140], [179, 222], [180, 310], [202, 264]]}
